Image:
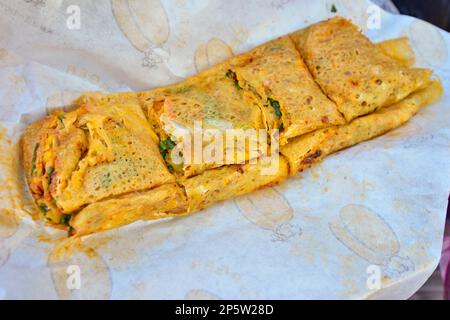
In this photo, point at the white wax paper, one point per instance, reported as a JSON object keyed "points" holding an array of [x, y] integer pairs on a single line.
{"points": [[365, 223]]}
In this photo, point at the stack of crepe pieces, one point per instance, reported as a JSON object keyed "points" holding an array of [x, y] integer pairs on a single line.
{"points": [[122, 157]]}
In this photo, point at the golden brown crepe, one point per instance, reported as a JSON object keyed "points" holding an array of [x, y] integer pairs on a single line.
{"points": [[291, 101], [399, 49], [161, 202], [213, 101], [231, 181], [105, 148], [302, 152], [352, 71]]}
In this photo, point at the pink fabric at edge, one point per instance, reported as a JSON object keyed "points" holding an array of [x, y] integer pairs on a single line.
{"points": [[445, 267]]}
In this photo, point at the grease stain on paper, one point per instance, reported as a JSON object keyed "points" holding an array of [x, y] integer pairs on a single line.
{"points": [[8, 58], [8, 223], [96, 282], [15, 203], [13, 189]]}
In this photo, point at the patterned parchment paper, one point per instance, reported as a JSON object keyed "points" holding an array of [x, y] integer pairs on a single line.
{"points": [[366, 223]]}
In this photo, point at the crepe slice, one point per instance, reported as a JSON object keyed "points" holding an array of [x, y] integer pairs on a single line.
{"points": [[399, 49], [231, 181], [161, 202], [103, 149], [208, 110], [353, 72], [304, 151], [290, 99]]}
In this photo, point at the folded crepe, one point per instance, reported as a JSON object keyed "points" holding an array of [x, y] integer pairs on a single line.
{"points": [[211, 102], [290, 99], [304, 151], [161, 202], [400, 50], [353, 72], [232, 181], [123, 157], [103, 149]]}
